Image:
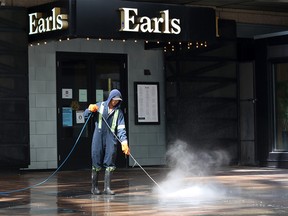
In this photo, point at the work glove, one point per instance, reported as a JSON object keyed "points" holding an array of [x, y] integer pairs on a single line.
{"points": [[93, 107], [125, 148]]}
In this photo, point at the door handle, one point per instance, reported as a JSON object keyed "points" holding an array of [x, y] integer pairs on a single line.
{"points": [[253, 100]]}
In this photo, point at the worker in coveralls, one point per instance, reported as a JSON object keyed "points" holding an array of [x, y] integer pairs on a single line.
{"points": [[104, 142]]}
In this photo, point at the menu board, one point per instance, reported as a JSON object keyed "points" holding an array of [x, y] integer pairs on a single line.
{"points": [[147, 103]]}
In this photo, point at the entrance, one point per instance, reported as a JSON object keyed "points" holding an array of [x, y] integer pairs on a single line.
{"points": [[82, 79]]}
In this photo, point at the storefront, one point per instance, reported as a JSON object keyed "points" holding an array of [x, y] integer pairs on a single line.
{"points": [[271, 77], [184, 76], [80, 50]]}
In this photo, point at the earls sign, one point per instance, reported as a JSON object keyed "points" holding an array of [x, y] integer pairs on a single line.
{"points": [[39, 24], [114, 19], [131, 22]]}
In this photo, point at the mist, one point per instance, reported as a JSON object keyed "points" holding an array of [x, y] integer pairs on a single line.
{"points": [[186, 178]]}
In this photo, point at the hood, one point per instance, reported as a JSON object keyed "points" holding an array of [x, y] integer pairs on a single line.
{"points": [[114, 93]]}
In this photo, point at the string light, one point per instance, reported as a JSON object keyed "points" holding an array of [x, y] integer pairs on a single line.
{"points": [[166, 46], [178, 46]]}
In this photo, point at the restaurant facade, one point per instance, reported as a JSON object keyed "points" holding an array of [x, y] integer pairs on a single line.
{"points": [[185, 77]]}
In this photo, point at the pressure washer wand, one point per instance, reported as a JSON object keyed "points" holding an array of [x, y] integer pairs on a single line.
{"points": [[136, 162], [144, 171]]}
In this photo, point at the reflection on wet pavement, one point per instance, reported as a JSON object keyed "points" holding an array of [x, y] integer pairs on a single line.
{"points": [[229, 191]]}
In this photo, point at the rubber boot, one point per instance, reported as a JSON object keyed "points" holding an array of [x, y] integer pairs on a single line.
{"points": [[94, 189], [107, 182]]}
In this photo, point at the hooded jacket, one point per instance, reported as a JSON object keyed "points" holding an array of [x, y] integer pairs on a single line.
{"points": [[102, 135]]}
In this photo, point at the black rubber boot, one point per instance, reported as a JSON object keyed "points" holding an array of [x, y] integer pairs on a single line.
{"points": [[107, 182], [94, 189]]}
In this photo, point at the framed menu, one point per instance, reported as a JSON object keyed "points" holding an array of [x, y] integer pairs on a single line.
{"points": [[147, 103]]}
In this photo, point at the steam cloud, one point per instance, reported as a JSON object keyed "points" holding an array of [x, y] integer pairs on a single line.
{"points": [[187, 161], [188, 170]]}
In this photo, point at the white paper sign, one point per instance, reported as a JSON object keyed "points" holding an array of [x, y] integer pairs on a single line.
{"points": [[80, 117], [82, 95], [67, 93], [99, 95]]}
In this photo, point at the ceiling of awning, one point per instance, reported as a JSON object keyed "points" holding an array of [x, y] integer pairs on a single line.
{"points": [[258, 5]]}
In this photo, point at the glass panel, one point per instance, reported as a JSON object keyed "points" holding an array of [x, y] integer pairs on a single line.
{"points": [[281, 106], [107, 78], [13, 86], [15, 110], [8, 131], [74, 97]]}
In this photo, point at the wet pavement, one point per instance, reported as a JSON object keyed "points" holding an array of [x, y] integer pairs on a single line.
{"points": [[227, 191]]}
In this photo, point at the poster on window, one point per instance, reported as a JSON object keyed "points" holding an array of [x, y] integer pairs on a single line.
{"points": [[67, 119], [67, 93], [82, 95], [99, 95], [147, 103], [80, 117]]}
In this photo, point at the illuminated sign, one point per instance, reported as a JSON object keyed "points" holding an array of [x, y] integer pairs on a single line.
{"points": [[39, 24], [131, 22]]}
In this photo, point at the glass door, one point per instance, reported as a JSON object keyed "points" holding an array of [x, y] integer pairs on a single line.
{"points": [[82, 79], [72, 101], [281, 106]]}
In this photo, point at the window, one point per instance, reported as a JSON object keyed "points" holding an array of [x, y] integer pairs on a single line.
{"points": [[281, 106]]}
